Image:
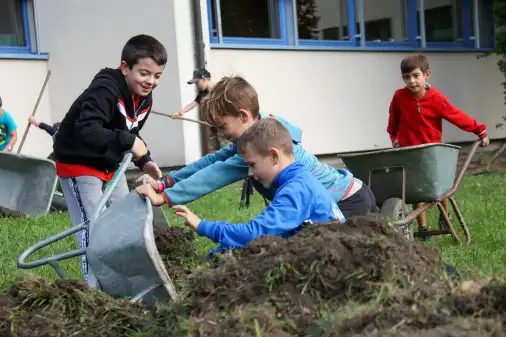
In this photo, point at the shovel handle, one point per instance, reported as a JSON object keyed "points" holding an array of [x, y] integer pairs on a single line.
{"points": [[181, 118]]}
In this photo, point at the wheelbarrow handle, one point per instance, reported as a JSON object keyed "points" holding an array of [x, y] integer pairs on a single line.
{"points": [[49, 260], [127, 158]]}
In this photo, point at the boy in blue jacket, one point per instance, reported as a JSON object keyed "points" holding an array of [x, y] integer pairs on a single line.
{"points": [[267, 149], [232, 106]]}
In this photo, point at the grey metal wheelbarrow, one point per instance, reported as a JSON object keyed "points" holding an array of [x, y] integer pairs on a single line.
{"points": [[415, 174], [28, 184], [122, 252]]}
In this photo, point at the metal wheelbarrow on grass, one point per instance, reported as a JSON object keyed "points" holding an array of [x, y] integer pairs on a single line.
{"points": [[122, 252], [28, 184], [424, 173]]}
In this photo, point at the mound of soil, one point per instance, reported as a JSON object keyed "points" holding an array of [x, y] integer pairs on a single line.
{"points": [[356, 279], [321, 269], [177, 251], [35, 307]]}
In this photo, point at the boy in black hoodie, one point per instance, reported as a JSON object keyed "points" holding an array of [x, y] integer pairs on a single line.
{"points": [[101, 125]]}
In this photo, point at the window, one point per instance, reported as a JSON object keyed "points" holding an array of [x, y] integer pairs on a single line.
{"points": [[322, 20], [238, 22], [387, 23], [14, 35], [366, 24]]}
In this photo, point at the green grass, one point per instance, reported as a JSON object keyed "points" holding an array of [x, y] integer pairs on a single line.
{"points": [[481, 201]]}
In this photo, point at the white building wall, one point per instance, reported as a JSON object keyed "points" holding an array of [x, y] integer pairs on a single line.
{"points": [[84, 36], [341, 99], [21, 83]]}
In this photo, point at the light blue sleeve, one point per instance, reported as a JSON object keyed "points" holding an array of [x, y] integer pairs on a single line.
{"points": [[285, 213], [205, 176], [9, 123], [189, 170]]}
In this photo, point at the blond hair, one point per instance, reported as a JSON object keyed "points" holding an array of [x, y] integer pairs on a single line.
{"points": [[226, 98], [266, 134]]}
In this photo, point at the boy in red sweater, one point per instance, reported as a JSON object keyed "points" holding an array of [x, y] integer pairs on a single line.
{"points": [[417, 112]]}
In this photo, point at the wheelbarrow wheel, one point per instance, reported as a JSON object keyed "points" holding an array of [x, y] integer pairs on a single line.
{"points": [[392, 209]]}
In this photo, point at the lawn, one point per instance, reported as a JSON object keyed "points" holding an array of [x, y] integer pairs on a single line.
{"points": [[480, 198]]}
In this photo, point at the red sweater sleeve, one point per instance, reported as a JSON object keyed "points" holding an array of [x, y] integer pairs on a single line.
{"points": [[460, 119], [393, 119]]}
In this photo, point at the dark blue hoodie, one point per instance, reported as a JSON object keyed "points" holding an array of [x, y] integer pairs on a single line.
{"points": [[300, 199]]}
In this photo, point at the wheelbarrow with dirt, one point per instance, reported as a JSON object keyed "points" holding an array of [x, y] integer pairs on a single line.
{"points": [[121, 251], [28, 184], [416, 174]]}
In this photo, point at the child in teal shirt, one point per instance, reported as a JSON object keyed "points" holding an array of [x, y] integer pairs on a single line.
{"points": [[8, 133]]}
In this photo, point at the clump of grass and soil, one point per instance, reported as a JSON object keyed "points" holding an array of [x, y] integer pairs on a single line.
{"points": [[176, 247], [361, 278]]}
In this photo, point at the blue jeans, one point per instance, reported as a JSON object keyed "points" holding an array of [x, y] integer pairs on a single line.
{"points": [[81, 196]]}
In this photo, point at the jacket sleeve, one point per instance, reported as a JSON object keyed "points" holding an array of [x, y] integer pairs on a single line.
{"points": [[48, 128], [460, 119], [204, 176], [287, 212], [187, 171], [393, 119], [97, 109]]}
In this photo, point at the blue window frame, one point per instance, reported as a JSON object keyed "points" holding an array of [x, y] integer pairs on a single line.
{"points": [[14, 27], [352, 24]]}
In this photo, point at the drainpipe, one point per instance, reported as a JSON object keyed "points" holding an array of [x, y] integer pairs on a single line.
{"points": [[200, 60]]}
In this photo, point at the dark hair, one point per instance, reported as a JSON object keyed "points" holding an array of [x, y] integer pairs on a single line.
{"points": [[0, 102], [265, 134], [143, 46], [414, 61]]}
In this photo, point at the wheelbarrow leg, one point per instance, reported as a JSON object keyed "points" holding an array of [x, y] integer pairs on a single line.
{"points": [[461, 220], [448, 222]]}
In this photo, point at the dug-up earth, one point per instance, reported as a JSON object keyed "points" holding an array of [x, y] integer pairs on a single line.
{"points": [[356, 279]]}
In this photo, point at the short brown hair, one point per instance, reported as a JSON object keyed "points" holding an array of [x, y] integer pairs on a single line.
{"points": [[143, 46], [265, 134], [226, 98], [414, 61]]}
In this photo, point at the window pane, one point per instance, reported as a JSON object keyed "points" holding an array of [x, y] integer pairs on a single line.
{"points": [[386, 20], [485, 18], [322, 19], [444, 20], [240, 19], [12, 30]]}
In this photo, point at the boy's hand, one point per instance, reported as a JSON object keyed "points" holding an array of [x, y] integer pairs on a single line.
{"points": [[147, 191], [176, 115], [485, 141], [32, 120], [139, 149], [149, 180], [190, 219], [395, 144], [152, 169]]}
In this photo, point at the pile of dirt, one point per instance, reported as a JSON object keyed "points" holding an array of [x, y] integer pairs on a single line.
{"points": [[35, 307], [323, 268], [175, 245], [356, 279]]}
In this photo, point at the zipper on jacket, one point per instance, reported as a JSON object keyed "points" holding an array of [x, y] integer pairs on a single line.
{"points": [[418, 106]]}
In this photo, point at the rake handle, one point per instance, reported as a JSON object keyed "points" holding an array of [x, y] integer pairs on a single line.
{"points": [[34, 109]]}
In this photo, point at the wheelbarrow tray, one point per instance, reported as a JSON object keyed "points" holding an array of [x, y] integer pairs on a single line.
{"points": [[430, 171], [123, 254], [28, 184]]}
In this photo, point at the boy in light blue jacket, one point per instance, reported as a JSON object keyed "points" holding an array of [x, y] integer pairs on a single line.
{"points": [[232, 106], [267, 149]]}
